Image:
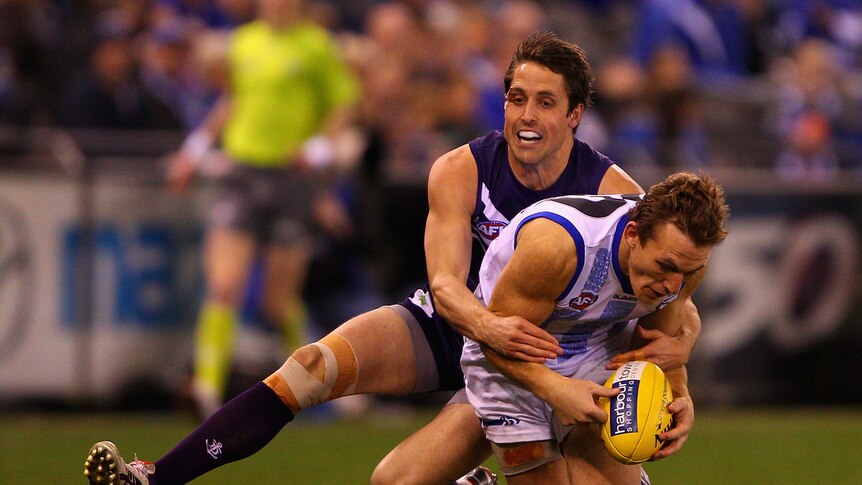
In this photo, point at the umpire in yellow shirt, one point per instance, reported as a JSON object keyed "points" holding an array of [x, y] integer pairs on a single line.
{"points": [[288, 87]]}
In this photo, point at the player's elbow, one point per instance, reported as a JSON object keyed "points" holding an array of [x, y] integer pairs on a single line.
{"points": [[438, 283], [441, 287]]}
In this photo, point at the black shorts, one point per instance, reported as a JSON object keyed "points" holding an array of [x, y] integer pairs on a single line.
{"points": [[272, 204], [437, 343]]}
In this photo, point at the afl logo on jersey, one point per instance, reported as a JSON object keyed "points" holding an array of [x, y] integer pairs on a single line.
{"points": [[490, 229], [583, 300]]}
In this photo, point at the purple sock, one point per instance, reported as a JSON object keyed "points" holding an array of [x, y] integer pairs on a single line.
{"points": [[239, 429]]}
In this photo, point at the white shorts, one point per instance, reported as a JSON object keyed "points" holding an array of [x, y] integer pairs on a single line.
{"points": [[512, 414]]}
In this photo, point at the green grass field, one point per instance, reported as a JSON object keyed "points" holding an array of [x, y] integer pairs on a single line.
{"points": [[807, 446]]}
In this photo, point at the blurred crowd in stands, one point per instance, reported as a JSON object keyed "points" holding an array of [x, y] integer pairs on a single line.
{"points": [[681, 83]]}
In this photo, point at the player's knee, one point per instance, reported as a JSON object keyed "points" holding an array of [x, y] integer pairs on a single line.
{"points": [[584, 442], [316, 373], [224, 293], [311, 358]]}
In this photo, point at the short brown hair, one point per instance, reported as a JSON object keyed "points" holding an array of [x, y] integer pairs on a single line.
{"points": [[694, 204], [564, 58]]}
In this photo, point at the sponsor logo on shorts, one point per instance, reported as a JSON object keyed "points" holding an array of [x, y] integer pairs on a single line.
{"points": [[421, 300], [490, 229], [501, 421]]}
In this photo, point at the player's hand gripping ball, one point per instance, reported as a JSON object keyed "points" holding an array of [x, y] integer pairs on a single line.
{"points": [[638, 414]]}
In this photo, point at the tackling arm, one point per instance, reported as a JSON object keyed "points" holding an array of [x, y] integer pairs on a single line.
{"points": [[451, 195], [668, 351], [448, 242], [617, 181]]}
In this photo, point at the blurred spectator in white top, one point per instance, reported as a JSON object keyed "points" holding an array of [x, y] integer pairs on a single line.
{"points": [[837, 21]]}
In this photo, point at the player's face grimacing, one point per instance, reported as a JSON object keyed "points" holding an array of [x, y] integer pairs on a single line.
{"points": [[538, 125], [660, 266]]}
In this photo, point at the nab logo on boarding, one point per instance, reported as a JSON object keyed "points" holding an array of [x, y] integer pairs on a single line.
{"points": [[490, 229], [583, 300]]}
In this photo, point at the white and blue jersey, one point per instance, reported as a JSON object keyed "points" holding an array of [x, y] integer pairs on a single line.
{"points": [[593, 320], [499, 197]]}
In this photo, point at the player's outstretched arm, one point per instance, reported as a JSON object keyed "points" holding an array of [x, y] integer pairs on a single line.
{"points": [[184, 163], [448, 242], [539, 270]]}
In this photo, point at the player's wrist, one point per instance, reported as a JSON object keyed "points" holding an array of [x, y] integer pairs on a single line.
{"points": [[478, 325], [197, 145], [549, 386], [318, 151], [678, 378]]}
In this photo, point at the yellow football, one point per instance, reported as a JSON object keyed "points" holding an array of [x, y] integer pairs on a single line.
{"points": [[638, 414]]}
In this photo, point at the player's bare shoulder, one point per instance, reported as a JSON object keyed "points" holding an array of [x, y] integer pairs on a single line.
{"points": [[548, 249], [617, 181], [457, 162], [454, 178]]}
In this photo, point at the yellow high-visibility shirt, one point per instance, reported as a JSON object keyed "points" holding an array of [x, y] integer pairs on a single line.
{"points": [[284, 84]]}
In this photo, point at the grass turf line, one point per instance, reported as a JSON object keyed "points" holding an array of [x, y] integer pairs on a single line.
{"points": [[765, 447]]}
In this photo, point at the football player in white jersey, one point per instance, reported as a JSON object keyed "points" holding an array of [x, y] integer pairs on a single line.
{"points": [[583, 268]]}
